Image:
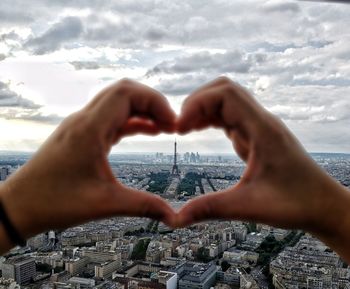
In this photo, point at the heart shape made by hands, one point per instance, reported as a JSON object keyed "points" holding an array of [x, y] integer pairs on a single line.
{"points": [[79, 185]]}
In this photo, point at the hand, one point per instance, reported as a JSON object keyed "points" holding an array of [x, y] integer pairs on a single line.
{"points": [[281, 186], [69, 180]]}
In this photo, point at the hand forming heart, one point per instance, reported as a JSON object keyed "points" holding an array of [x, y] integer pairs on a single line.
{"points": [[69, 180]]}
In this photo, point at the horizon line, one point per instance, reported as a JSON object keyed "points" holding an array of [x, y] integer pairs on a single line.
{"points": [[144, 153]]}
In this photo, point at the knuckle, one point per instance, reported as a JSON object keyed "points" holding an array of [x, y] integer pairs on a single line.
{"points": [[206, 211], [276, 129], [228, 89], [125, 82], [223, 80], [77, 128], [148, 206], [123, 86]]}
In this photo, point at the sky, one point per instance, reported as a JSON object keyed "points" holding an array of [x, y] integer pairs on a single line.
{"points": [[293, 56]]}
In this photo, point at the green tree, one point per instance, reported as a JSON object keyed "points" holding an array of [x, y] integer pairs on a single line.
{"points": [[225, 265], [203, 255], [139, 252], [43, 267]]}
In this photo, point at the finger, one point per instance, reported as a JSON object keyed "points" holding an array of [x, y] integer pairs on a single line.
{"points": [[225, 205], [199, 110], [227, 102], [139, 126], [201, 122], [125, 99], [240, 143], [134, 203], [214, 83]]}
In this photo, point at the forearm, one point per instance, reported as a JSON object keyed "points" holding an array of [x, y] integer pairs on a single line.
{"points": [[5, 243], [336, 228]]}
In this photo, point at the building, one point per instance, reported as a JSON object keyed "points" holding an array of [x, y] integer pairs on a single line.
{"points": [[20, 269], [76, 266], [241, 258], [101, 257], [105, 270], [4, 173], [37, 241], [194, 275], [248, 282], [54, 259], [81, 283], [309, 264], [142, 268], [169, 279], [231, 277], [8, 284]]}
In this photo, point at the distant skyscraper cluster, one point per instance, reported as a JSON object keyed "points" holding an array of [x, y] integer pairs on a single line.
{"points": [[176, 158], [191, 157]]}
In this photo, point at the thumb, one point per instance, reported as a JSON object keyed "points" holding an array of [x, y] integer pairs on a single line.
{"points": [[229, 204], [134, 203]]}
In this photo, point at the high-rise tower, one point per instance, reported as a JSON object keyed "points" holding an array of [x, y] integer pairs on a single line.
{"points": [[175, 171]]}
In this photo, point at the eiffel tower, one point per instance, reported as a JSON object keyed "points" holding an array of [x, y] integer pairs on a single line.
{"points": [[175, 171]]}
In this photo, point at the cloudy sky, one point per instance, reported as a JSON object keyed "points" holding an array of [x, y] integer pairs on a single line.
{"points": [[294, 56]]}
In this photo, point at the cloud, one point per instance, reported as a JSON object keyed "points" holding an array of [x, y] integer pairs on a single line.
{"points": [[281, 6], [308, 104], [14, 106], [12, 35], [92, 65], [9, 98], [66, 30], [31, 115], [182, 85], [79, 65], [228, 62], [14, 16], [294, 55]]}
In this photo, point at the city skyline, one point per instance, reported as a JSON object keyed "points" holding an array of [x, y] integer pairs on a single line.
{"points": [[115, 252]]}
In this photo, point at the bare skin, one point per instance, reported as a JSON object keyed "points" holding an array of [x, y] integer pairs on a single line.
{"points": [[281, 186], [69, 180]]}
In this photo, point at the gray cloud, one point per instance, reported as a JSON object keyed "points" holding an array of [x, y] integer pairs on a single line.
{"points": [[9, 36], [89, 65], [14, 16], [68, 29], [33, 116], [134, 25], [9, 98], [14, 106], [182, 85], [281, 6], [231, 61], [96, 64], [308, 104]]}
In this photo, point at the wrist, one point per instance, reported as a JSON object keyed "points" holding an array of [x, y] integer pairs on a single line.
{"points": [[334, 226], [10, 235], [5, 243]]}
